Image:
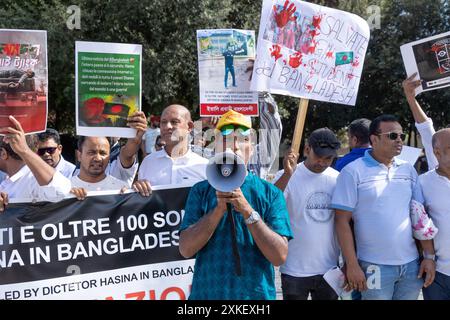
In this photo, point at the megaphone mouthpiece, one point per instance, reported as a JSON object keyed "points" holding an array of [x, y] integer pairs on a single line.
{"points": [[227, 169], [226, 172]]}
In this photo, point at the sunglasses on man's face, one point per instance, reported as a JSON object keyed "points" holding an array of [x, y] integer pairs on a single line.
{"points": [[393, 135], [43, 151], [230, 128]]}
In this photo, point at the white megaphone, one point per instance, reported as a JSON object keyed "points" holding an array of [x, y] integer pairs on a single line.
{"points": [[226, 171]]}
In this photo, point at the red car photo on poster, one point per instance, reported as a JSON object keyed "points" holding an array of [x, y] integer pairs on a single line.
{"points": [[23, 78], [22, 100]]}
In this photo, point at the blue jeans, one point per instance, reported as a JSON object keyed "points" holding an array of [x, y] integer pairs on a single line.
{"points": [[391, 282], [439, 289], [231, 70]]}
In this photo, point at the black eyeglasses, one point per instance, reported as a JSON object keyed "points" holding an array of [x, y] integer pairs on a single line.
{"points": [[393, 135], [43, 151]]}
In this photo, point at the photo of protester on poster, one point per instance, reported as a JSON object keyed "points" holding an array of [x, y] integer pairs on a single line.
{"points": [[224, 56]]}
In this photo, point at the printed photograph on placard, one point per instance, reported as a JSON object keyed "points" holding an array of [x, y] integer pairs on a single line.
{"points": [[225, 62], [433, 62]]}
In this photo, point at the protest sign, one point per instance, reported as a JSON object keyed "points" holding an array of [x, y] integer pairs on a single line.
{"points": [[310, 51], [23, 79], [225, 61], [108, 87], [430, 59], [104, 247]]}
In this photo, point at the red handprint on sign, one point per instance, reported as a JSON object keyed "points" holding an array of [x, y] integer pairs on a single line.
{"points": [[295, 60], [275, 52], [285, 15]]}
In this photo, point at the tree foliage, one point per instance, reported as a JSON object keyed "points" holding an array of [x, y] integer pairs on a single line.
{"points": [[167, 31]]}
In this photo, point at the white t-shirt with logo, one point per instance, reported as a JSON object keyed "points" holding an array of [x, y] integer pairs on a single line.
{"points": [[434, 194], [314, 249]]}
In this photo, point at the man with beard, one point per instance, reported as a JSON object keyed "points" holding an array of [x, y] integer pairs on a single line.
{"points": [[93, 153]]}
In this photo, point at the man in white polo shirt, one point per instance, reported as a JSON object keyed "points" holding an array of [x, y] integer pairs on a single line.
{"points": [[375, 191], [28, 176], [314, 249], [435, 195], [175, 163]]}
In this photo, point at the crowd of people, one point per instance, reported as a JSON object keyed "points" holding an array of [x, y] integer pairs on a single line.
{"points": [[353, 213]]}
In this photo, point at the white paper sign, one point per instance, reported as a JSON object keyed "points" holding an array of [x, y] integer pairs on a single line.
{"points": [[310, 51], [336, 279], [430, 59]]}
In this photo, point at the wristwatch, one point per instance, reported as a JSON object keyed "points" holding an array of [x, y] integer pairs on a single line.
{"points": [[429, 256], [253, 218]]}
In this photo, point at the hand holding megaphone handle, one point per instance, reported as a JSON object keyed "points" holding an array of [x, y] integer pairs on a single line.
{"points": [[237, 257]]}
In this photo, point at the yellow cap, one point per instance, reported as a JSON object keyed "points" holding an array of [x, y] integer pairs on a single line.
{"points": [[235, 118]]}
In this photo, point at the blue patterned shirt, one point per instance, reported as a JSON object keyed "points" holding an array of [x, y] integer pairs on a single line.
{"points": [[214, 274]]}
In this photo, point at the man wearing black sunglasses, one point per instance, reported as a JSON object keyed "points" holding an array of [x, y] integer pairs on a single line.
{"points": [[50, 148], [375, 191]]}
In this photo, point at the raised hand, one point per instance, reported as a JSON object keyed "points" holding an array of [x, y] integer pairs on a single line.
{"points": [[15, 136], [290, 162], [138, 121], [410, 85], [285, 15]]}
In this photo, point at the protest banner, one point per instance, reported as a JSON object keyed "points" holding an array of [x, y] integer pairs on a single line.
{"points": [[108, 87], [104, 247], [23, 79], [225, 60], [430, 59], [311, 52]]}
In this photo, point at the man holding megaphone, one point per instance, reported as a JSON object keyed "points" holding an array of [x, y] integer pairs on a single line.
{"points": [[235, 224]]}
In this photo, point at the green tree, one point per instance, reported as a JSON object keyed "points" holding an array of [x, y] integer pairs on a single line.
{"points": [[167, 31]]}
